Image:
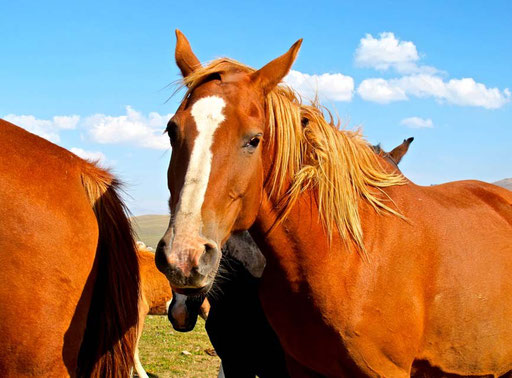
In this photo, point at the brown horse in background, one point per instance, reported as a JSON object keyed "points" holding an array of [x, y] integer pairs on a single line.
{"points": [[367, 273], [70, 279]]}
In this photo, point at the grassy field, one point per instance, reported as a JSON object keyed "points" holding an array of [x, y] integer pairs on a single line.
{"points": [[161, 350]]}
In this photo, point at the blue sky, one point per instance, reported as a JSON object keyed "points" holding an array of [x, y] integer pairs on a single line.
{"points": [[93, 76]]}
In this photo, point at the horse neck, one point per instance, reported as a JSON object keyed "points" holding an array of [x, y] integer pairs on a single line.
{"points": [[301, 241], [296, 245]]}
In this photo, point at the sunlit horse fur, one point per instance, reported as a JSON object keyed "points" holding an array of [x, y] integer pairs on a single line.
{"points": [[427, 294], [70, 278]]}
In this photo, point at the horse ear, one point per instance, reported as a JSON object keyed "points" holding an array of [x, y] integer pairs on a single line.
{"points": [[185, 57], [271, 74], [398, 152]]}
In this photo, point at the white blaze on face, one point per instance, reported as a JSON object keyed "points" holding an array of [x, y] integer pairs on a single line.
{"points": [[207, 114]]}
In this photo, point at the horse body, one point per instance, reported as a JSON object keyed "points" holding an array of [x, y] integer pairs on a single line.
{"points": [[55, 258], [31, 281], [411, 301]]}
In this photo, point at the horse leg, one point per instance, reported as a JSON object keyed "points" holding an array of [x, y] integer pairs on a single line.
{"points": [[138, 366], [143, 312], [136, 360]]}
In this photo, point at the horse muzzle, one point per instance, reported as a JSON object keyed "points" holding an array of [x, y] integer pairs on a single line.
{"points": [[190, 269]]}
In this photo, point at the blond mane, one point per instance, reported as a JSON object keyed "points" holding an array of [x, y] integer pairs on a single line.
{"points": [[314, 154]]}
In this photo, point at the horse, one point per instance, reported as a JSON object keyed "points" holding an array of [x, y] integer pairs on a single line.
{"points": [[367, 273], [236, 324], [238, 328], [70, 278], [155, 297]]}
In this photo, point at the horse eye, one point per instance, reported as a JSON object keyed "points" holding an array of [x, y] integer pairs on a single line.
{"points": [[172, 130], [254, 142]]}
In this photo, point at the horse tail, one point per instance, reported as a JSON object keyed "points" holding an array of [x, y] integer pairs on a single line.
{"points": [[109, 342]]}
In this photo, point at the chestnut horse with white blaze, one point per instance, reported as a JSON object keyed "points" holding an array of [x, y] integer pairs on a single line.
{"points": [[70, 278], [367, 273]]}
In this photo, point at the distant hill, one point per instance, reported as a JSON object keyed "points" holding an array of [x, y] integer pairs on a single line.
{"points": [[506, 183], [150, 228]]}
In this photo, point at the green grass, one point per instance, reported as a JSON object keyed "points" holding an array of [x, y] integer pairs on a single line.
{"points": [[150, 228], [161, 350]]}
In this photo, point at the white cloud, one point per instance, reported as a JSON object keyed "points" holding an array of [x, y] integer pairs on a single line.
{"points": [[45, 128], [387, 52], [470, 93], [330, 87], [464, 92], [89, 155], [133, 128], [417, 123], [381, 91]]}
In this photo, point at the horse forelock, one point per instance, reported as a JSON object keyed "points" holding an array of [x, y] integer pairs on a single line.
{"points": [[313, 153]]}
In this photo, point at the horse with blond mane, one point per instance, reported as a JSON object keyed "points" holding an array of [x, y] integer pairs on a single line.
{"points": [[70, 277], [367, 273]]}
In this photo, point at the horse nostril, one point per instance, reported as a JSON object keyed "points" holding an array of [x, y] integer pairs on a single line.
{"points": [[160, 257], [162, 244], [208, 255]]}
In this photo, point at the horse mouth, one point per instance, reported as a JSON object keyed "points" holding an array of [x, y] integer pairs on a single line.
{"points": [[190, 292]]}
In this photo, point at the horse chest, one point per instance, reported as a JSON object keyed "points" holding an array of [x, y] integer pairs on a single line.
{"points": [[310, 328], [339, 324]]}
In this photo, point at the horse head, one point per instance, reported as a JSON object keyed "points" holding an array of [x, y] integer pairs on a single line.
{"points": [[216, 173]]}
